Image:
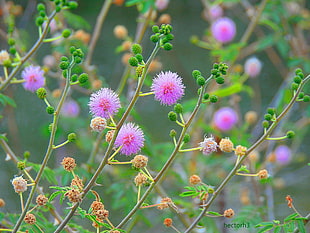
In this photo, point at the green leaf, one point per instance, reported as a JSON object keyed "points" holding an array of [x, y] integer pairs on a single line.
{"points": [[55, 194], [76, 21], [270, 23], [4, 100], [265, 42], [289, 227], [188, 193], [2, 136], [264, 224], [223, 92], [301, 226], [59, 188], [214, 213], [277, 229], [290, 217], [243, 168], [265, 229]]}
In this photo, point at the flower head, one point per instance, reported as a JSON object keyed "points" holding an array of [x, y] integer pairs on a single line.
{"points": [[131, 138], [34, 79], [208, 145], [98, 124], [161, 4], [4, 55], [283, 154], [168, 88], [70, 109], [223, 29], [225, 118], [252, 67], [19, 184], [104, 103]]}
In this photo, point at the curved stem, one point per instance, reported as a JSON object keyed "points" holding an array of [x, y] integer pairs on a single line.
{"points": [[255, 145]]}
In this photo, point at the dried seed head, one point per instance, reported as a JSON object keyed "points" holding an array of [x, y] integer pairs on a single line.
{"points": [[74, 195], [139, 161], [68, 163], [240, 150], [97, 205], [168, 222], [229, 213], [109, 135], [2, 202], [98, 124], [226, 145], [120, 32], [19, 184], [41, 200], [77, 183], [95, 224], [30, 219], [263, 174], [164, 203], [102, 214], [140, 179], [194, 179], [289, 201]]}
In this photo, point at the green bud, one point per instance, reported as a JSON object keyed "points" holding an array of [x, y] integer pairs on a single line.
{"points": [[214, 72], [216, 66], [297, 79], [7, 63], [42, 14], [57, 9], [64, 65], [40, 7], [26, 154], [172, 116], [170, 37], [186, 138], [64, 58], [12, 50], [50, 110], [306, 98], [196, 73], [298, 70], [83, 78], [178, 108], [66, 33], [74, 78], [220, 80], [11, 41], [155, 29], [64, 73], [201, 81], [265, 124], [290, 134], [301, 95], [21, 165], [139, 71], [164, 40], [72, 5], [267, 117], [206, 96], [213, 98], [154, 38], [295, 86], [78, 53], [271, 111], [133, 61], [136, 48], [41, 93], [210, 190], [139, 57], [50, 127], [39, 20], [72, 49], [172, 133], [77, 60], [71, 137], [301, 75], [167, 46]]}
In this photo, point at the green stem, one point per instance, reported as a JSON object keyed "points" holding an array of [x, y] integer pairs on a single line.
{"points": [[146, 94], [60, 145], [34, 48], [190, 149], [17, 81], [52, 39], [254, 146], [95, 149]]}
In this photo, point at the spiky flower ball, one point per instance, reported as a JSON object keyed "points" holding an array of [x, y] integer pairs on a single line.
{"points": [[131, 138], [19, 184], [104, 103], [252, 67], [240, 150], [208, 145], [41, 200], [194, 179], [226, 145], [262, 174], [140, 179], [223, 30], [34, 79], [168, 88]]}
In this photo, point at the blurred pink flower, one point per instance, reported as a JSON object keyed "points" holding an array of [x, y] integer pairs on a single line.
{"points": [[70, 108], [34, 79], [131, 138], [215, 12], [283, 154], [223, 29], [168, 88], [225, 118], [252, 67], [161, 4], [104, 103]]}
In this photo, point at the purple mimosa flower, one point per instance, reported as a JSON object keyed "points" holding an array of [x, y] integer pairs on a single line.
{"points": [[161, 4], [70, 109], [104, 103], [223, 29], [225, 118], [168, 88], [34, 79], [131, 138], [208, 145], [283, 154], [252, 67]]}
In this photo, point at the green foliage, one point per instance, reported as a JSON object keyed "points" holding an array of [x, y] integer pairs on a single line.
{"points": [[4, 100], [75, 21]]}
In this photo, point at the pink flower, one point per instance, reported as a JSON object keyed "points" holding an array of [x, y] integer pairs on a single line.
{"points": [[161, 4], [208, 146], [215, 12], [225, 118], [70, 109], [34, 79], [104, 103], [283, 154], [131, 138], [252, 67], [168, 88], [223, 29]]}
